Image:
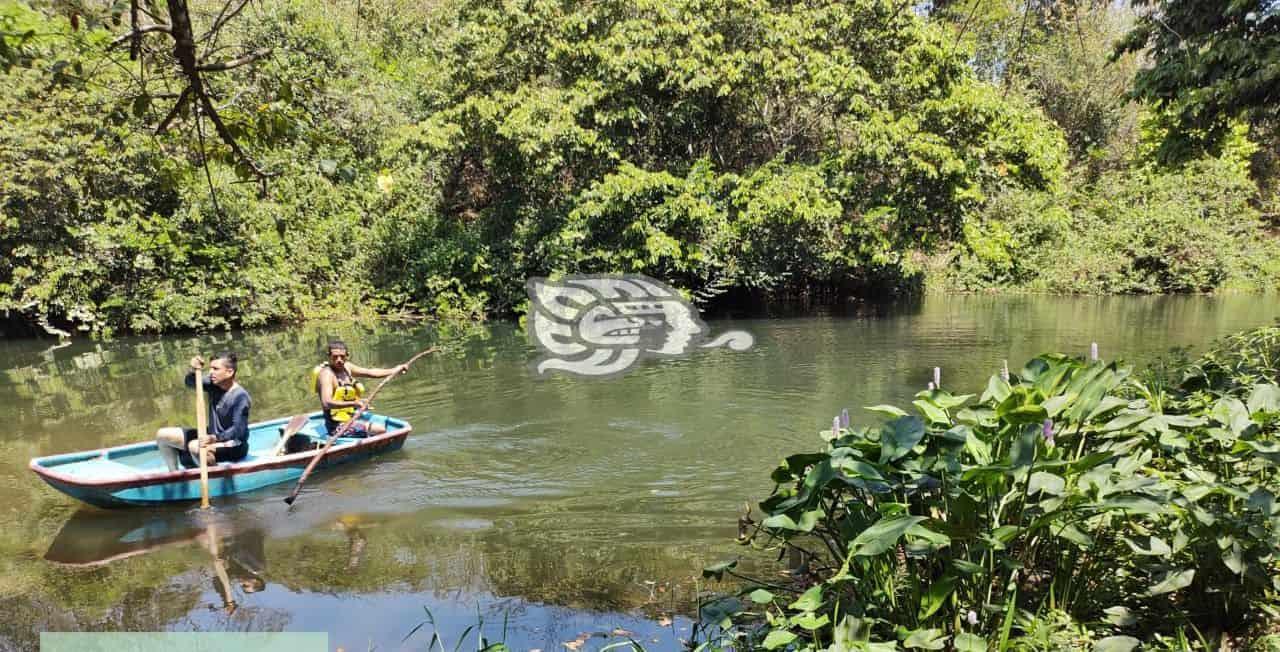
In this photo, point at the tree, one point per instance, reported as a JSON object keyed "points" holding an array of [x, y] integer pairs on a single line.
{"points": [[1212, 61]]}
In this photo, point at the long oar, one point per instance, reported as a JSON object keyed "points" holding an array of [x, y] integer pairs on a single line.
{"points": [[342, 430], [202, 425]]}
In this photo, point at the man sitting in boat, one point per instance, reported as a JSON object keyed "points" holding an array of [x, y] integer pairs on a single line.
{"points": [[341, 394], [228, 436]]}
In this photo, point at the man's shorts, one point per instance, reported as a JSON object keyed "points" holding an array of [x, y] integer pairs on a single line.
{"points": [[358, 430], [223, 453]]}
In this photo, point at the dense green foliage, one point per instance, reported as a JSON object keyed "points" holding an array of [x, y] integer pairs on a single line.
{"points": [[1071, 505], [1211, 62], [430, 159]]}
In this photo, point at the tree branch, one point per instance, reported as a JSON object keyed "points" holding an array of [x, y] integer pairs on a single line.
{"points": [[138, 32], [183, 98], [223, 17], [219, 66]]}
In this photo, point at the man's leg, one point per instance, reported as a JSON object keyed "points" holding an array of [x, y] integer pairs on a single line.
{"points": [[170, 441], [193, 447]]}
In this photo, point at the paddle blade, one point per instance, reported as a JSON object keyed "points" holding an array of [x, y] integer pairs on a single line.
{"points": [[298, 422]]}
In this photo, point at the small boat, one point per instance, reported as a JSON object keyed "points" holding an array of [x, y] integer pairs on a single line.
{"points": [[135, 474]]}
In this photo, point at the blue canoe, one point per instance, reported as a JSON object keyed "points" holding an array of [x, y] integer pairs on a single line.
{"points": [[135, 474]]}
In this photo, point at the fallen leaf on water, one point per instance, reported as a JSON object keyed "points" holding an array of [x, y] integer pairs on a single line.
{"points": [[622, 632], [664, 622], [574, 645]]}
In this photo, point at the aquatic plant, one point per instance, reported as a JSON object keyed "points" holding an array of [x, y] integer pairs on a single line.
{"points": [[1071, 502]]}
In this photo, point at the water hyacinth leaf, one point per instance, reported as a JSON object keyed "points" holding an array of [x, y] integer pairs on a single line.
{"points": [[1125, 420], [1171, 581], [967, 642], [1263, 501], [931, 412], [967, 567], [1234, 558], [1026, 414], [761, 596], [1106, 406], [778, 638], [946, 400], [1023, 449], [899, 436], [717, 570], [1267, 450], [1264, 398], [1075, 535], [809, 621], [1120, 616], [859, 469], [1055, 404], [936, 595], [979, 449], [926, 639], [1047, 483], [1233, 414], [1157, 547], [882, 535], [1116, 644], [888, 411], [806, 523], [997, 390], [810, 600], [1133, 504], [721, 610]]}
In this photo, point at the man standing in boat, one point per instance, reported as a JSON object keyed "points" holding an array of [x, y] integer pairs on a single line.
{"points": [[228, 436], [341, 394]]}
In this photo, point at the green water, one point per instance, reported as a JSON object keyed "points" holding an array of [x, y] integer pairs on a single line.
{"points": [[567, 507]]}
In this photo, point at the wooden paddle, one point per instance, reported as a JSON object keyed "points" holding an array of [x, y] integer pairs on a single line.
{"points": [[202, 425], [295, 424], [344, 428]]}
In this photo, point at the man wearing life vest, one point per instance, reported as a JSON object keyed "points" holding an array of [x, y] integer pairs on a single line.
{"points": [[341, 394]]}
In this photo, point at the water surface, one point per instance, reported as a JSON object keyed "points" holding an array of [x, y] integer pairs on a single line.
{"points": [[573, 510]]}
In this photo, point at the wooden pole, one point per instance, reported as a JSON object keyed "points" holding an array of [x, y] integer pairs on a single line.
{"points": [[202, 427]]}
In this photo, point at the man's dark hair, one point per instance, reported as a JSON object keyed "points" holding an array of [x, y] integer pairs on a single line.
{"points": [[228, 358], [335, 344]]}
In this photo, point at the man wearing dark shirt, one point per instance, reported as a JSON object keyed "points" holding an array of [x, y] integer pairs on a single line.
{"points": [[228, 436]]}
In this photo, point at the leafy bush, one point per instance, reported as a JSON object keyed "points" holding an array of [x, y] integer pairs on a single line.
{"points": [[1070, 502]]}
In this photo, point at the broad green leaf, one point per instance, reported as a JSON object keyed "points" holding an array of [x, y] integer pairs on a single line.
{"points": [[761, 596], [858, 469], [809, 621], [1125, 420], [717, 570], [1116, 644], [967, 642], [979, 449], [926, 639], [1047, 482], [882, 535], [997, 390], [1158, 547], [1264, 398], [778, 638], [887, 410], [810, 600], [936, 596], [931, 412], [1171, 581], [899, 436], [1234, 559], [1120, 616]]}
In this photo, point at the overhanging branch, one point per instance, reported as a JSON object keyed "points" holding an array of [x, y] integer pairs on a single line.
{"points": [[219, 66]]}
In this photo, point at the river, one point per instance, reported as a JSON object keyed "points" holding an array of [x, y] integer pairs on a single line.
{"points": [[545, 511]]}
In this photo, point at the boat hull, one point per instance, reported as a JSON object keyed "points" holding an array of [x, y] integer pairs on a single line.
{"points": [[135, 475]]}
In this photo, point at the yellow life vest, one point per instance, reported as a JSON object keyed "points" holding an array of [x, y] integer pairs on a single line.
{"points": [[348, 391]]}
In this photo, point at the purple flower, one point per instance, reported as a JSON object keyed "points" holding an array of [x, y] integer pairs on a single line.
{"points": [[931, 387], [937, 377], [835, 427], [972, 617], [1093, 351], [1048, 431], [1004, 371], [844, 418]]}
